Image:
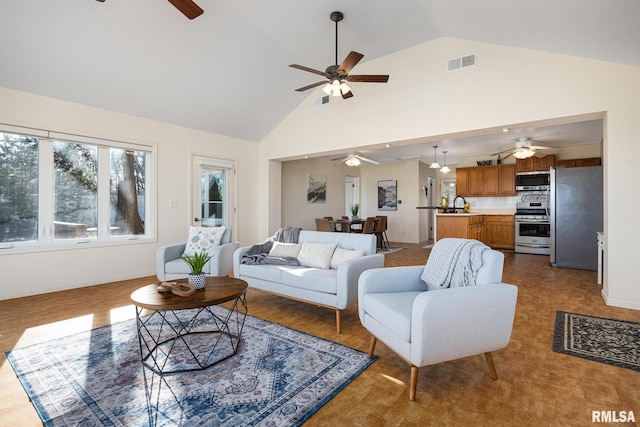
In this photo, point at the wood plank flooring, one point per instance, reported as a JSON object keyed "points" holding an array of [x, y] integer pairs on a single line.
{"points": [[536, 387]]}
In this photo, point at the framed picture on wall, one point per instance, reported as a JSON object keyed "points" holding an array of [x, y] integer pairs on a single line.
{"points": [[316, 188], [388, 195]]}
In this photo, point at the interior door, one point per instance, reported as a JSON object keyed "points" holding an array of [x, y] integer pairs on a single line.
{"points": [[213, 192]]}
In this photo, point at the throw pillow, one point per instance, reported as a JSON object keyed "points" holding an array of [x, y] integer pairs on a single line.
{"points": [[341, 255], [203, 239], [282, 250], [317, 255]]}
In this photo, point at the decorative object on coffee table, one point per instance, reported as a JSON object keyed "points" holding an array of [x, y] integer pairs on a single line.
{"points": [[196, 264]]}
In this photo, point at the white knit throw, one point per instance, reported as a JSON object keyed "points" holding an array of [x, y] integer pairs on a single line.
{"points": [[453, 263]]}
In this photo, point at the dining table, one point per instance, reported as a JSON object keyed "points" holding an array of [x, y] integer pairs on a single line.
{"points": [[344, 225]]}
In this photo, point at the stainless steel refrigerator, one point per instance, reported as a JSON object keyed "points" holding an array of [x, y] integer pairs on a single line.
{"points": [[576, 216]]}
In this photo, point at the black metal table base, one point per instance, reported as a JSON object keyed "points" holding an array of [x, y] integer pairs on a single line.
{"points": [[171, 340]]}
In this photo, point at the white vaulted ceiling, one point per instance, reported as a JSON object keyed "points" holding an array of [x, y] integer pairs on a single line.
{"points": [[227, 71]]}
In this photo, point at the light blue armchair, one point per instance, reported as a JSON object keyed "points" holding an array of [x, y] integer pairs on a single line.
{"points": [[428, 327], [169, 266]]}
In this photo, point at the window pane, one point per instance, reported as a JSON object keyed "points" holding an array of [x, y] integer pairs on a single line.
{"points": [[75, 199], [127, 213], [18, 188], [212, 196]]}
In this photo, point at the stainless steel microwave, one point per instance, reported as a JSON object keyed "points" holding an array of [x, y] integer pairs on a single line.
{"points": [[533, 181]]}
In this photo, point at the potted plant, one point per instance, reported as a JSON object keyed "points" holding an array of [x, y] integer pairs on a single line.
{"points": [[354, 211], [196, 264]]}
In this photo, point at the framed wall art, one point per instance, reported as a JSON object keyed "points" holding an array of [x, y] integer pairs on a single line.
{"points": [[388, 195], [316, 188]]}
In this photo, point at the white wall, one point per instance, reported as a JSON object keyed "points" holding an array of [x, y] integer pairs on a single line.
{"points": [[295, 209], [40, 272], [508, 86]]}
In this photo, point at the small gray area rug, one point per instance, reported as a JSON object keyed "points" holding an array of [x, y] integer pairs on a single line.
{"points": [[279, 377], [614, 342]]}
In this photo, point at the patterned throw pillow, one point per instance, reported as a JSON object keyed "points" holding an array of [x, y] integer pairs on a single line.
{"points": [[203, 239]]}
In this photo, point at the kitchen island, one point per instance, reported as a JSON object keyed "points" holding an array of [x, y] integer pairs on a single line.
{"points": [[495, 229]]}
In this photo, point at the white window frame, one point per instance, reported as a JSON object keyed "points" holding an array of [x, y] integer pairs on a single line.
{"points": [[45, 240]]}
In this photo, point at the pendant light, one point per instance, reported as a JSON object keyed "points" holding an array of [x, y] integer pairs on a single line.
{"points": [[445, 168], [435, 164]]}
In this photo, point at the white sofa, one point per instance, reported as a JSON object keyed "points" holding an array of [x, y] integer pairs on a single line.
{"points": [[169, 266], [331, 288]]}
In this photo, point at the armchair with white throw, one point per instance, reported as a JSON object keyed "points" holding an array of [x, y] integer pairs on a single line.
{"points": [[462, 309], [215, 240]]}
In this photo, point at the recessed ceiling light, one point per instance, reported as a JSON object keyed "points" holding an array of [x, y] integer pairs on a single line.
{"points": [[505, 129], [388, 145]]}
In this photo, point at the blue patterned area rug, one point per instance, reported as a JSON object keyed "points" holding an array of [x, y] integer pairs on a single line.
{"points": [[279, 377], [614, 342]]}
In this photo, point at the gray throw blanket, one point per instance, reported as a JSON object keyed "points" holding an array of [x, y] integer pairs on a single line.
{"points": [[453, 263], [259, 253]]}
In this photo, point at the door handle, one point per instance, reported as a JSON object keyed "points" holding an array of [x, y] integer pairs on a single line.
{"points": [[196, 219]]}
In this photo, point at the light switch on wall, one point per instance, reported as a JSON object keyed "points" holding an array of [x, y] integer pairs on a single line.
{"points": [[173, 204]]}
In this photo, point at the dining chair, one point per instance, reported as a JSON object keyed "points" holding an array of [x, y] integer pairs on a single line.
{"points": [[384, 231], [369, 224], [323, 224], [380, 227]]}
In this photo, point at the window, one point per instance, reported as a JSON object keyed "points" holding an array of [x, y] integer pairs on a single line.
{"points": [[57, 188]]}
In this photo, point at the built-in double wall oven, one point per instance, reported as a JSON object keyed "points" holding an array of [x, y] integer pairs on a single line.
{"points": [[533, 227]]}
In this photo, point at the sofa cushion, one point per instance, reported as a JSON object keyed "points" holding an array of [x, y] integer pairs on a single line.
{"points": [[316, 255], [395, 308], [268, 272], [313, 279], [280, 249], [341, 255], [202, 239]]}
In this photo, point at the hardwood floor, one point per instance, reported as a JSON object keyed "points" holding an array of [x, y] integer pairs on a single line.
{"points": [[535, 387]]}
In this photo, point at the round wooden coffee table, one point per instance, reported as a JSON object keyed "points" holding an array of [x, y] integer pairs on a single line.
{"points": [[171, 335]]}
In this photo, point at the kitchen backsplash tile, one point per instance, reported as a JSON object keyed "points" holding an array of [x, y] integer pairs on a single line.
{"points": [[488, 203]]}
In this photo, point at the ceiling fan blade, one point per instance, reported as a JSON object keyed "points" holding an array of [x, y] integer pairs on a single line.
{"points": [[513, 150], [347, 95], [368, 160], [310, 70], [349, 62], [369, 78], [188, 8], [312, 85]]}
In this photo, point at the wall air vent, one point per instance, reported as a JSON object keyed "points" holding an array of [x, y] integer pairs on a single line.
{"points": [[462, 62], [321, 101]]}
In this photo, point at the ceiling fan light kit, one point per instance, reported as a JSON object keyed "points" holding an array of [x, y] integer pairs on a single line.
{"points": [[338, 75], [353, 161], [523, 153]]}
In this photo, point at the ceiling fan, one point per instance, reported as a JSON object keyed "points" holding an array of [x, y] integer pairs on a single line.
{"points": [[188, 8], [522, 150], [338, 75], [354, 159]]}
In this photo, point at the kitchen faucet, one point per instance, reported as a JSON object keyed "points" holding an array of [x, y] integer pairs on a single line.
{"points": [[453, 205]]}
